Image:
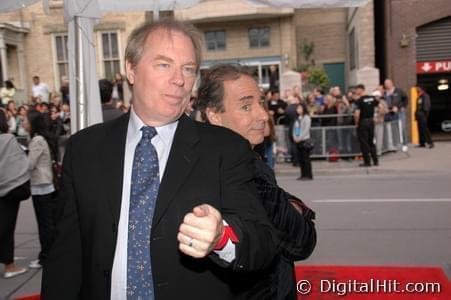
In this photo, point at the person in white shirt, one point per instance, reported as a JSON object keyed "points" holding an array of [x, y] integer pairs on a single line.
{"points": [[40, 91], [7, 92]]}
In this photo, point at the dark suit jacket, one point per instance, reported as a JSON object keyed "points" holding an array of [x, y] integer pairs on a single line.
{"points": [[296, 233], [207, 164]]}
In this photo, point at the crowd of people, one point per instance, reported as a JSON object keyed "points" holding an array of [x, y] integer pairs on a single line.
{"points": [[151, 197], [27, 171], [218, 225], [32, 143], [337, 110]]}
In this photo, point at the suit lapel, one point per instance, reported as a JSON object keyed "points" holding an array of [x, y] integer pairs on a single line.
{"points": [[181, 160], [113, 159]]}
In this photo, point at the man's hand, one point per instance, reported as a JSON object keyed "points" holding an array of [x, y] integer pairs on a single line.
{"points": [[200, 231]]}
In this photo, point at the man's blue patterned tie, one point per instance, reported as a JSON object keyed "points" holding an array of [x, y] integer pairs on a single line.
{"points": [[144, 190]]}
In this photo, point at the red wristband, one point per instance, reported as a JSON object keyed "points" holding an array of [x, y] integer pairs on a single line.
{"points": [[227, 234]]}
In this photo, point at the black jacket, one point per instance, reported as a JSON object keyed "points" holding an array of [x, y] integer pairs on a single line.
{"points": [[296, 232], [206, 164], [423, 106]]}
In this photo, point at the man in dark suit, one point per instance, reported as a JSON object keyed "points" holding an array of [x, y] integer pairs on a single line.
{"points": [[229, 96], [202, 215]]}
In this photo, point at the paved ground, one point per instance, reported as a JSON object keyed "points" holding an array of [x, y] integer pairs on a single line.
{"points": [[395, 214]]}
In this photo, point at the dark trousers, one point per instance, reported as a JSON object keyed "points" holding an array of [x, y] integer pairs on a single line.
{"points": [[304, 161], [365, 133], [9, 207], [44, 208], [293, 151], [423, 130], [8, 218]]}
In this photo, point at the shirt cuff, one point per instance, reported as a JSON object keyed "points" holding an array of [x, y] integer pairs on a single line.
{"points": [[226, 248]]}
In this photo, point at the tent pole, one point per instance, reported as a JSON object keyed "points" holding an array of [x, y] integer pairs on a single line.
{"points": [[80, 91], [156, 10]]}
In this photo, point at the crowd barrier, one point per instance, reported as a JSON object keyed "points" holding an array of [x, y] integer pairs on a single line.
{"points": [[341, 141]]}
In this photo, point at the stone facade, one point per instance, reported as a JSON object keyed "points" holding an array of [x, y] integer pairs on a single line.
{"points": [[39, 42], [327, 28], [237, 41], [361, 21]]}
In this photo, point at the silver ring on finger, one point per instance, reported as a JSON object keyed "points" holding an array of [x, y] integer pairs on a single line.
{"points": [[190, 243]]}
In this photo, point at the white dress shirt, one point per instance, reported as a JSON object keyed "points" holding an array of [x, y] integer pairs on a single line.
{"points": [[41, 90], [162, 143]]}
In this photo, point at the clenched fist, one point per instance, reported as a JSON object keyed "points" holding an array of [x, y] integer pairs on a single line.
{"points": [[200, 231]]}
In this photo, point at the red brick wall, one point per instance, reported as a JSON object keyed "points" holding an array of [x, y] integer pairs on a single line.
{"points": [[403, 17]]}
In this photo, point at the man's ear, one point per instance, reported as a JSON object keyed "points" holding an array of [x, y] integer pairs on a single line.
{"points": [[214, 117], [130, 72]]}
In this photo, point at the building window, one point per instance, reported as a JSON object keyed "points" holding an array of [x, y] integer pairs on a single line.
{"points": [[215, 40], [259, 37], [62, 64], [110, 54], [353, 50]]}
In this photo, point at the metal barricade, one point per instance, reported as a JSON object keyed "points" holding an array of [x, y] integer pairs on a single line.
{"points": [[281, 145], [342, 141]]}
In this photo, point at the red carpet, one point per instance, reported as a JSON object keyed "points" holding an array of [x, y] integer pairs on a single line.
{"points": [[359, 283], [29, 297], [366, 283]]}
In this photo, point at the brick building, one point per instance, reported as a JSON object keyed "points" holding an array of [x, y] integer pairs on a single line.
{"points": [[34, 43], [415, 31]]}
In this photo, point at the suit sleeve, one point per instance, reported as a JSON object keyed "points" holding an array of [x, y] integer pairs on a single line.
{"points": [[243, 211], [299, 234], [62, 273], [296, 230]]}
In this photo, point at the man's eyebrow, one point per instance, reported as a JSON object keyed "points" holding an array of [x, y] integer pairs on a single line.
{"points": [[244, 98], [162, 57], [168, 59]]}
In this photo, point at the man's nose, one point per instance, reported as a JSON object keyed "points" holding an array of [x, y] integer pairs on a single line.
{"points": [[177, 77], [262, 113]]}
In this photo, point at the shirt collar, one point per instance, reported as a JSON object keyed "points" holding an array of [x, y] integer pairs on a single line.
{"points": [[165, 132]]}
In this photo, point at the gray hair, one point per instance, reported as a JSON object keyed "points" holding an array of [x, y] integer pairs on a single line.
{"points": [[137, 39]]}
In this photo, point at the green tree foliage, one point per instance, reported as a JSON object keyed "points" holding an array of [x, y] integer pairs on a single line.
{"points": [[313, 75], [318, 77]]}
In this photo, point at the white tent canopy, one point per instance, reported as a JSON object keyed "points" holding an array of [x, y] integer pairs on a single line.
{"points": [[142, 5], [309, 3], [11, 5]]}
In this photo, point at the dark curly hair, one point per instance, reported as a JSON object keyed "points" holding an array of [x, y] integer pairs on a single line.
{"points": [[40, 125]]}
